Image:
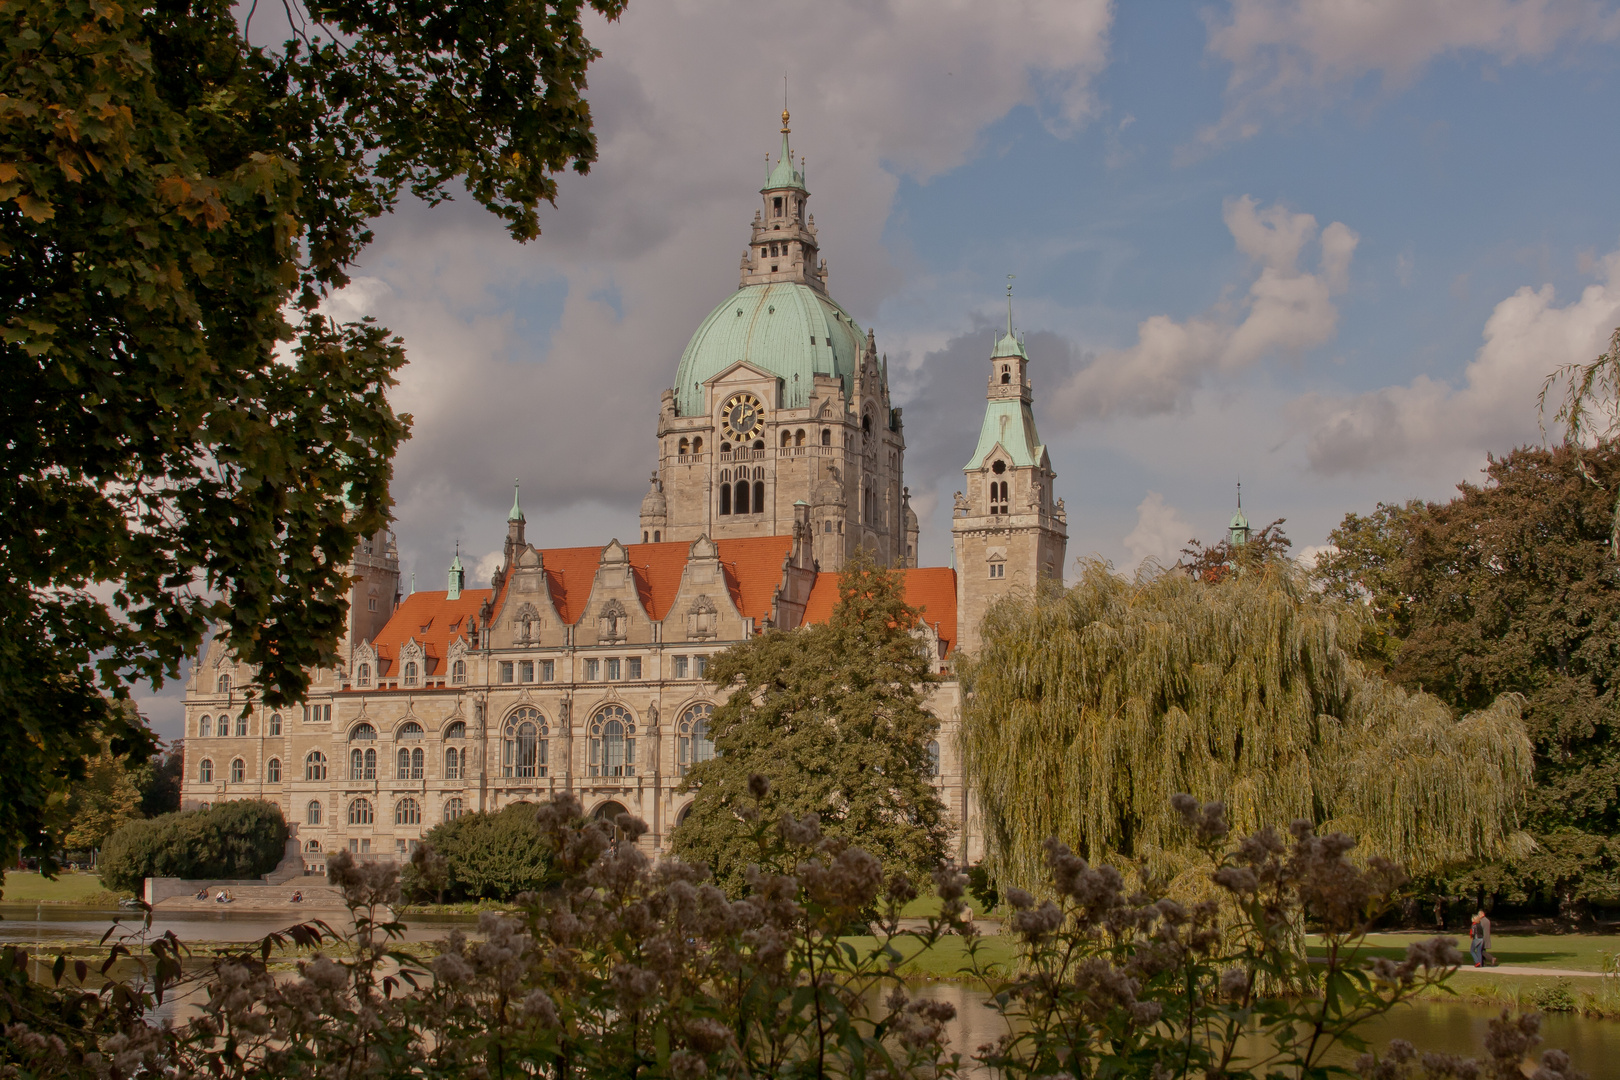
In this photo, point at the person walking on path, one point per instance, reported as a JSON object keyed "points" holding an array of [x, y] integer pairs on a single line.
{"points": [[1479, 937]]}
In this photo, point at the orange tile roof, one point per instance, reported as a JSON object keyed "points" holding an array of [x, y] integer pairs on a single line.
{"points": [[930, 588], [433, 620], [752, 568]]}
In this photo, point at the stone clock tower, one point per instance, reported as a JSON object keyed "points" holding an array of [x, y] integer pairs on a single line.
{"points": [[1008, 530], [779, 419]]}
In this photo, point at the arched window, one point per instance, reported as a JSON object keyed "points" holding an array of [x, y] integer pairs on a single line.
{"points": [[272, 771], [787, 438], [826, 436], [525, 743], [457, 730], [205, 727], [315, 766], [312, 815], [458, 673], [613, 742], [410, 729], [362, 731], [739, 497], [275, 723], [238, 770], [224, 684], [312, 845], [692, 743], [410, 764], [697, 444], [1006, 374], [658, 535], [866, 424], [241, 726], [452, 764], [933, 759], [798, 437], [685, 446], [759, 496], [360, 812], [410, 673], [725, 499], [362, 764], [453, 808], [407, 812], [205, 771], [362, 675], [759, 444]]}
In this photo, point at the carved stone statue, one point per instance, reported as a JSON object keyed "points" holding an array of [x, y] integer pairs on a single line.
{"points": [[962, 506]]}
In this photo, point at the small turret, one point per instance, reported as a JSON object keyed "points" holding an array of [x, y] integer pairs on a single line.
{"points": [[458, 576], [1238, 532], [654, 512], [514, 530]]}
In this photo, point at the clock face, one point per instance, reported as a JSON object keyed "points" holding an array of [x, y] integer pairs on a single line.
{"points": [[744, 416]]}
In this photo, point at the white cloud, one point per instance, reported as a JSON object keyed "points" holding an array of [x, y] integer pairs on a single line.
{"points": [[546, 361], [1286, 310], [1160, 533], [1289, 54], [1431, 424]]}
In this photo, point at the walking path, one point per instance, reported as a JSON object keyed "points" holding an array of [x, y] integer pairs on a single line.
{"points": [[1521, 969]]}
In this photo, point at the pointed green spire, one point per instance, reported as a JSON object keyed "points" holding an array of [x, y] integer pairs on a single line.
{"points": [[458, 576], [785, 175], [517, 511], [1238, 532]]}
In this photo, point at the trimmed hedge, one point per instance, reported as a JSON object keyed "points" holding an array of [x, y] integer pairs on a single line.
{"points": [[239, 839]]}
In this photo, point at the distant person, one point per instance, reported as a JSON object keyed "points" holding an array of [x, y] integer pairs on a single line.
{"points": [[1479, 937], [224, 897], [202, 893], [298, 896]]}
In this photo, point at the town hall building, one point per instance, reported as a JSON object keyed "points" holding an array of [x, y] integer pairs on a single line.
{"points": [[779, 455]]}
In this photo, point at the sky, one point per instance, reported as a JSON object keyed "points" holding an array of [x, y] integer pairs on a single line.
{"points": [[1330, 248]]}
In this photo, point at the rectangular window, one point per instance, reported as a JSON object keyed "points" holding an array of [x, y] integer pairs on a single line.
{"points": [[365, 845], [633, 668], [593, 670], [680, 667], [354, 845], [548, 670], [526, 669], [997, 569], [700, 664], [506, 671], [373, 603], [613, 669]]}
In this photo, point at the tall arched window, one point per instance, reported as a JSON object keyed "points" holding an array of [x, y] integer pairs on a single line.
{"points": [[725, 491], [272, 771], [362, 764], [933, 759], [525, 743], [224, 685], [312, 813], [457, 730], [205, 771], [697, 444], [407, 812], [238, 770], [205, 727], [692, 743], [360, 812], [453, 808], [410, 673], [241, 726], [275, 723], [759, 493], [452, 764], [787, 438], [613, 742], [685, 446], [798, 437], [315, 766], [362, 675], [826, 436], [739, 498], [410, 764], [458, 673], [1006, 373]]}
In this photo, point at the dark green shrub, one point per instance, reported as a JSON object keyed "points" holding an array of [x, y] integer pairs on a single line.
{"points": [[492, 856], [239, 839]]}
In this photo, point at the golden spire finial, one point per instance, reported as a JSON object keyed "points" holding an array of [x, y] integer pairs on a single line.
{"points": [[785, 128]]}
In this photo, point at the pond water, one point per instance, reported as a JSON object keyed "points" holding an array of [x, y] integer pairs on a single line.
{"points": [[1448, 1027], [57, 925]]}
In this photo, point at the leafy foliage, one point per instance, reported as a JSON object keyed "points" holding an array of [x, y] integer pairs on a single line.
{"points": [[631, 970], [1214, 562], [1590, 412], [1508, 589], [102, 802], [239, 839], [189, 439], [160, 781], [1086, 710], [833, 716], [491, 856]]}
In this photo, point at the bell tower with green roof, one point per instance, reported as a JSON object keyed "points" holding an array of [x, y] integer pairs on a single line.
{"points": [[779, 419], [1007, 528]]}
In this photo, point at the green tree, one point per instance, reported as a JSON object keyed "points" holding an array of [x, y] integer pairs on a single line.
{"points": [[1214, 561], [1508, 588], [486, 856], [833, 716], [1086, 710], [242, 838], [189, 440], [160, 781], [107, 798], [1590, 412]]}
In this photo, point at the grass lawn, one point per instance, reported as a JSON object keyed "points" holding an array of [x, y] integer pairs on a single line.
{"points": [[927, 904], [1576, 952], [66, 888], [946, 959]]}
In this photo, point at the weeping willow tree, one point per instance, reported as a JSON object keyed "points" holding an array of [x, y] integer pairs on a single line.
{"points": [[1086, 710]]}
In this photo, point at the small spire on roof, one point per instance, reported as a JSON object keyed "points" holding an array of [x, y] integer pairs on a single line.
{"points": [[517, 511], [1009, 303]]}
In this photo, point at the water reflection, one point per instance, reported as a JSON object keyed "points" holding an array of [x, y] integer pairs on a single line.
{"points": [[55, 926]]}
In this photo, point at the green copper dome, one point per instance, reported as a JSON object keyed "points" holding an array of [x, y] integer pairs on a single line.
{"points": [[786, 328]]}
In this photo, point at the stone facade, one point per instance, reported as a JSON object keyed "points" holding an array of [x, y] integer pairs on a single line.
{"points": [[581, 669]]}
